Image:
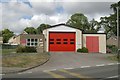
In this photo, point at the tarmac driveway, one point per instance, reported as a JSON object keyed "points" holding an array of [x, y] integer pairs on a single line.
{"points": [[73, 60]]}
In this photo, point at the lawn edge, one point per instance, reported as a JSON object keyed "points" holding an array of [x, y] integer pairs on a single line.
{"points": [[27, 68]]}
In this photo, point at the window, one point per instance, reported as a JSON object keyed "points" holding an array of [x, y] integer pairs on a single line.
{"points": [[58, 42], [58, 39], [31, 42], [28, 40], [71, 39], [71, 42], [51, 42], [64, 39], [64, 42], [51, 39], [28, 44], [36, 40], [35, 44]]}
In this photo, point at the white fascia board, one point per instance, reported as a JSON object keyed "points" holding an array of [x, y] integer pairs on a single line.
{"points": [[62, 29]]}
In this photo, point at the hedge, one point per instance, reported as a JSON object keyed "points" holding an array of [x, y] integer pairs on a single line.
{"points": [[25, 49], [83, 50]]}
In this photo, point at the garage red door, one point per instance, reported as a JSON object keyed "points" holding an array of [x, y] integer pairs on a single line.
{"points": [[61, 41], [92, 43]]}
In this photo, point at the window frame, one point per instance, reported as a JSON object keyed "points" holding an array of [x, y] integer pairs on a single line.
{"points": [[32, 42]]}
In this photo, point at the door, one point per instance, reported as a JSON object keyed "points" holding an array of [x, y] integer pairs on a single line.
{"points": [[92, 43], [62, 41]]}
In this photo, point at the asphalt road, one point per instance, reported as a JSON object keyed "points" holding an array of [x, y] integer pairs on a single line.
{"points": [[96, 73]]}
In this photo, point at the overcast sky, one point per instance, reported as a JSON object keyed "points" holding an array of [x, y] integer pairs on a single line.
{"points": [[18, 14]]}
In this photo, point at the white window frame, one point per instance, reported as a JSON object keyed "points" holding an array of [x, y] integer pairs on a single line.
{"points": [[31, 42]]}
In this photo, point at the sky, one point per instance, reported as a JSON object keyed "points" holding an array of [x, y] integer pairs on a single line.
{"points": [[18, 14]]}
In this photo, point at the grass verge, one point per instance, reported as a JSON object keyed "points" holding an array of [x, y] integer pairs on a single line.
{"points": [[114, 58], [8, 51], [24, 61]]}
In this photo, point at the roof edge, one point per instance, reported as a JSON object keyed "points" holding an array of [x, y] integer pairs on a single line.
{"points": [[64, 25], [94, 33]]}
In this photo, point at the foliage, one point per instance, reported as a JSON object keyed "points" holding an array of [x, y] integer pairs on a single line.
{"points": [[6, 33], [25, 49], [108, 50], [94, 26], [30, 30], [114, 58], [79, 21], [113, 48], [0, 33], [83, 50], [42, 27], [109, 23]]}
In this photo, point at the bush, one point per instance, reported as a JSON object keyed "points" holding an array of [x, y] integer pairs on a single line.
{"points": [[26, 49], [108, 50], [113, 48], [83, 50]]}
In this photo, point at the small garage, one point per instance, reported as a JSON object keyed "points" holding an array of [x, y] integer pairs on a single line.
{"points": [[64, 38], [95, 42]]}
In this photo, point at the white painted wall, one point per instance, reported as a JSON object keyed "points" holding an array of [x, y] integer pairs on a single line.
{"points": [[78, 39], [46, 35], [63, 28], [102, 41]]}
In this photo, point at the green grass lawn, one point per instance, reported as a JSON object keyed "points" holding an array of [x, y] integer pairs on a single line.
{"points": [[8, 51], [114, 58], [24, 61]]}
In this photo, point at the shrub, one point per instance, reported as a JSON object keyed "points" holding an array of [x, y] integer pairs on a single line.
{"points": [[108, 50], [25, 49], [20, 49], [83, 50], [113, 48]]}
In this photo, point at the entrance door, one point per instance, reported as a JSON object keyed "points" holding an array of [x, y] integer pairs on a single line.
{"points": [[92, 43], [62, 41]]}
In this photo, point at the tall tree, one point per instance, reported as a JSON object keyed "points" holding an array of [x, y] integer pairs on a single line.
{"points": [[0, 33], [109, 23], [94, 26], [6, 33], [79, 21], [30, 30], [42, 27]]}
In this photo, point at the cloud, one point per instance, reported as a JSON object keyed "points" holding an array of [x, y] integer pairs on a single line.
{"points": [[16, 16], [36, 20], [12, 12]]}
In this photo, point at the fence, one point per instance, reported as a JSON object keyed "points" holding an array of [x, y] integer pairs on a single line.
{"points": [[8, 46]]}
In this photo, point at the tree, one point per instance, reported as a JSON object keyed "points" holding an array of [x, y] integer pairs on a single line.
{"points": [[109, 23], [6, 33], [94, 26], [30, 30], [42, 27], [79, 21], [0, 33]]}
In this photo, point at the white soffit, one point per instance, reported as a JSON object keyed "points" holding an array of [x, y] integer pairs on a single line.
{"points": [[62, 28]]}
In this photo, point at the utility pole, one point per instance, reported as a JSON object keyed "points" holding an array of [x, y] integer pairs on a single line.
{"points": [[118, 32]]}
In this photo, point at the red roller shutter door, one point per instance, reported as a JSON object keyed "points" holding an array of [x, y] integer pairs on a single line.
{"points": [[62, 41], [92, 43]]}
